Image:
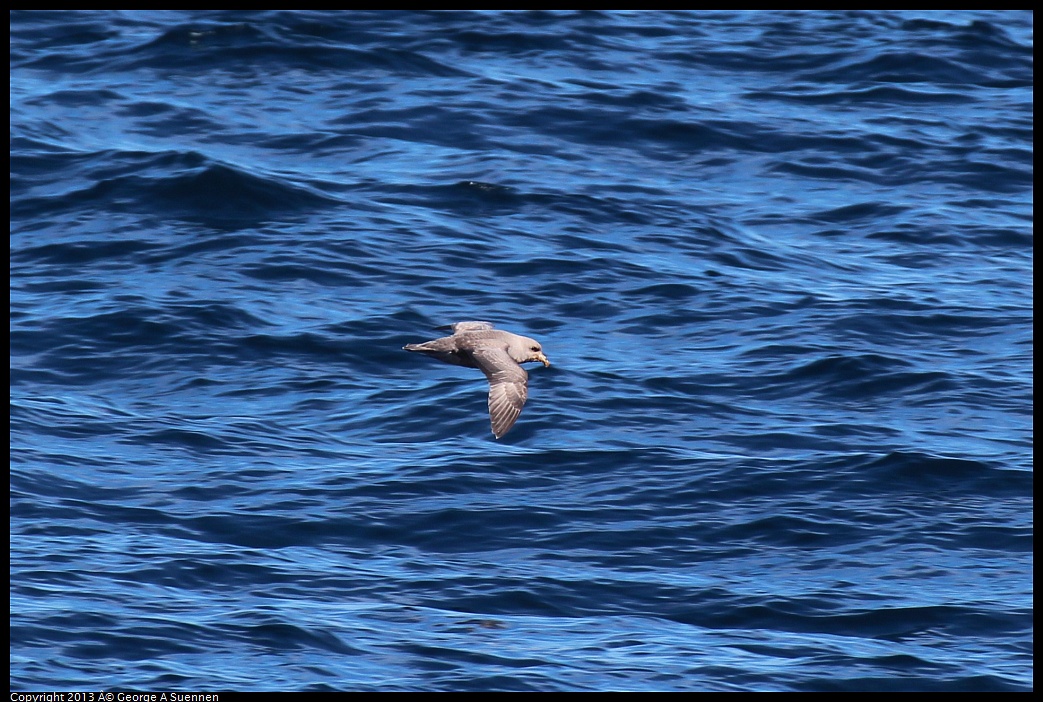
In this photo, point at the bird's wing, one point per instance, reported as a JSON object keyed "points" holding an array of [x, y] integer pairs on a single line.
{"points": [[508, 387], [459, 327]]}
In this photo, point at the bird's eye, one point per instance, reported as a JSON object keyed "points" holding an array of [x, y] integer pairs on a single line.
{"points": [[535, 348]]}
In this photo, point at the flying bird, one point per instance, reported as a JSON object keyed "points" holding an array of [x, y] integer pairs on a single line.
{"points": [[498, 354]]}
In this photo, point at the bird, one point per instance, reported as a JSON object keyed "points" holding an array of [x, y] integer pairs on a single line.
{"points": [[497, 353]]}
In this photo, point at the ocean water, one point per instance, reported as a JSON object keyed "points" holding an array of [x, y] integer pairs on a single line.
{"points": [[781, 263]]}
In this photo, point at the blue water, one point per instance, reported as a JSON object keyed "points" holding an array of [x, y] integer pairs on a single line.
{"points": [[781, 263]]}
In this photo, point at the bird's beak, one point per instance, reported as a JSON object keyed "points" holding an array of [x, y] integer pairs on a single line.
{"points": [[543, 359]]}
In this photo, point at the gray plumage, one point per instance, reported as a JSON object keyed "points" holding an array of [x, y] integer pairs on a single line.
{"points": [[496, 353]]}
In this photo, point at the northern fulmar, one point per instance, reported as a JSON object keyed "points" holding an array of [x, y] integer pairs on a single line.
{"points": [[498, 354]]}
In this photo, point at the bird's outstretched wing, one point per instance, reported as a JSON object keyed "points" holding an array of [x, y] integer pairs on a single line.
{"points": [[508, 387], [460, 327]]}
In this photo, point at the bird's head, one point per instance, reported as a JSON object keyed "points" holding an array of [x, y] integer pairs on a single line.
{"points": [[525, 349]]}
